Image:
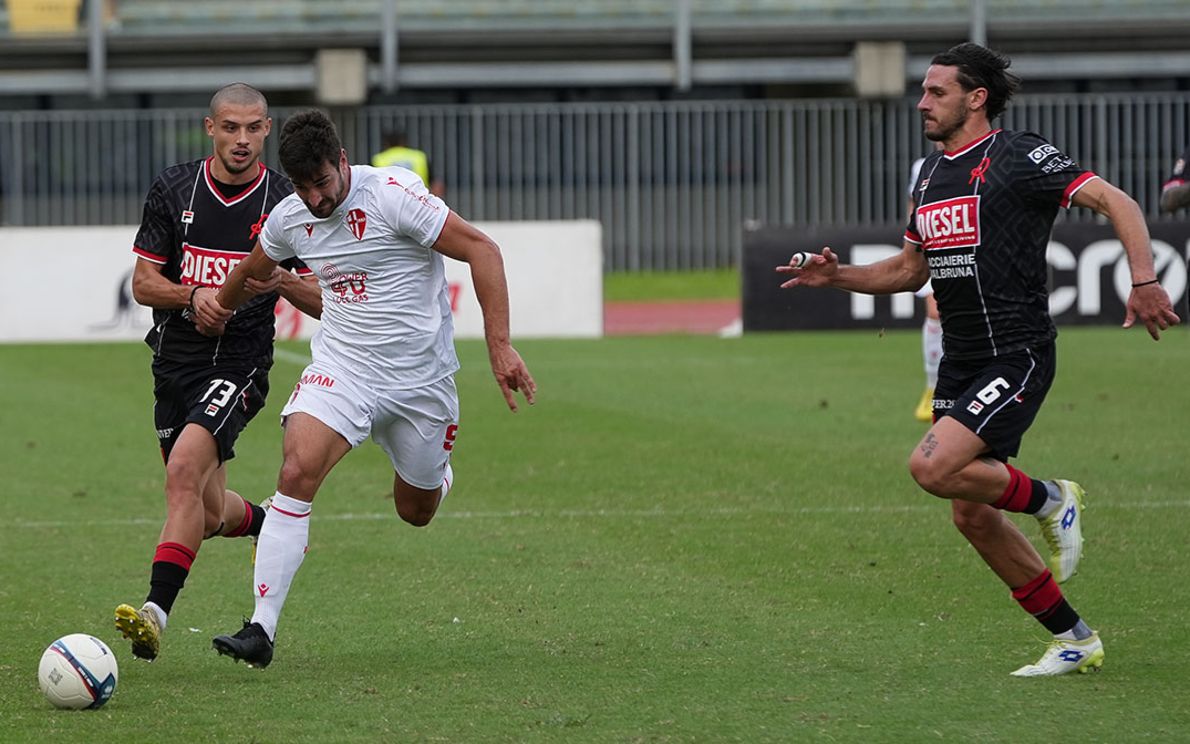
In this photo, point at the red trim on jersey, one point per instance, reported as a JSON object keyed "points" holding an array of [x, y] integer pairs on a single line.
{"points": [[1171, 183], [912, 237], [150, 257], [303, 270], [1074, 186], [206, 172], [970, 145]]}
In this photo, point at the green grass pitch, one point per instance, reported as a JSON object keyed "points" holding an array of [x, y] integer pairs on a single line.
{"points": [[687, 539]]}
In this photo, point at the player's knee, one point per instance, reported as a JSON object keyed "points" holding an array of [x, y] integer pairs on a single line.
{"points": [[415, 514], [972, 519], [182, 483], [294, 479], [928, 475], [417, 510]]}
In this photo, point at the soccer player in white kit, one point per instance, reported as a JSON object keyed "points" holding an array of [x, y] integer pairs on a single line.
{"points": [[383, 359]]}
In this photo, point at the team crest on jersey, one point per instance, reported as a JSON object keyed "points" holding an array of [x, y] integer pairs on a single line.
{"points": [[254, 231], [357, 222], [951, 223]]}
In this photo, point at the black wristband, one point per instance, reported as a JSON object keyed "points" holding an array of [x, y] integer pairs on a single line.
{"points": [[190, 302], [1142, 284]]}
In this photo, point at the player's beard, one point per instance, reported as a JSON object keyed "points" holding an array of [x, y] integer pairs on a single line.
{"points": [[947, 129], [234, 168]]}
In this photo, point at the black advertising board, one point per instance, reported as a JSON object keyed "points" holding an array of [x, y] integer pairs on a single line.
{"points": [[1089, 279]]}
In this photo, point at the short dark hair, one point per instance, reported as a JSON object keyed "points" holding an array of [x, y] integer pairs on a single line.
{"points": [[238, 94], [308, 140], [980, 67]]}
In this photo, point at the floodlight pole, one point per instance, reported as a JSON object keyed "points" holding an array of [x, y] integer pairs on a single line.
{"points": [[979, 22], [388, 46], [96, 50], [682, 45]]}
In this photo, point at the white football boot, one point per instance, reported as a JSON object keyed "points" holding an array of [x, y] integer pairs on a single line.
{"points": [[1064, 657], [1063, 531]]}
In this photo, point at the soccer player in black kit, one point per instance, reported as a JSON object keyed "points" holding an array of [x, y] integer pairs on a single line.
{"points": [[210, 378], [985, 209], [1175, 192]]}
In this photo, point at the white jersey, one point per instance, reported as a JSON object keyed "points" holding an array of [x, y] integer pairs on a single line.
{"points": [[385, 304]]}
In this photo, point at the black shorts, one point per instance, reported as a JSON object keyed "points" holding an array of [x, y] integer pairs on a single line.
{"points": [[221, 400], [996, 398]]}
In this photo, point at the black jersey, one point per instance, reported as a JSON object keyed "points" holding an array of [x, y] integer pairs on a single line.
{"points": [[198, 235], [984, 218]]}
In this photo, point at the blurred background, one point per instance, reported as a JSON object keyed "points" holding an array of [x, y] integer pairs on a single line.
{"points": [[676, 124]]}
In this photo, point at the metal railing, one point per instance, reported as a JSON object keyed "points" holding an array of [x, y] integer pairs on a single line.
{"points": [[672, 183]]}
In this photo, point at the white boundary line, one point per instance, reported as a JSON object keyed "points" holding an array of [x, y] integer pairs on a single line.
{"points": [[597, 514], [285, 355]]}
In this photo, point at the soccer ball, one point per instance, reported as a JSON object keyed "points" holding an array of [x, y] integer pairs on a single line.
{"points": [[78, 671]]}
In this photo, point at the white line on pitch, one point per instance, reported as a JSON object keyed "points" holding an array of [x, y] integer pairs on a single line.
{"points": [[286, 355], [601, 513]]}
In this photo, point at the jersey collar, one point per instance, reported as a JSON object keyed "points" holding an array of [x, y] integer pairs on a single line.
{"points": [[970, 145], [206, 171]]}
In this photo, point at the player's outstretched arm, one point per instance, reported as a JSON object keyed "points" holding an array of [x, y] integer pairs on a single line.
{"points": [[302, 292], [150, 287], [904, 272], [256, 266], [462, 241], [1148, 300]]}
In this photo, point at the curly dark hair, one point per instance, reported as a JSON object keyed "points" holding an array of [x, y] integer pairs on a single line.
{"points": [[980, 67], [308, 140]]}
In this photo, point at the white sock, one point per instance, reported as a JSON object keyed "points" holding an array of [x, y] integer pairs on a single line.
{"points": [[931, 349], [162, 616], [279, 553]]}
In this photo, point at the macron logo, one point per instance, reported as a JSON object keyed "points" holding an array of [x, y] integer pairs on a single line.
{"points": [[263, 589]]}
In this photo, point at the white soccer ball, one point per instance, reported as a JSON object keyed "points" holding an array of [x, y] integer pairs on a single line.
{"points": [[78, 671]]}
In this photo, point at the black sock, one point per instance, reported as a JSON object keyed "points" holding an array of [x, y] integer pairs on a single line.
{"points": [[165, 582], [1037, 498], [258, 513], [1060, 619]]}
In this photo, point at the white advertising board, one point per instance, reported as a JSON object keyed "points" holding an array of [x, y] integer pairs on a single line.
{"points": [[82, 291]]}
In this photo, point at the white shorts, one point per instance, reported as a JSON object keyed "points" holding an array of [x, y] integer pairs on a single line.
{"points": [[415, 427], [925, 291]]}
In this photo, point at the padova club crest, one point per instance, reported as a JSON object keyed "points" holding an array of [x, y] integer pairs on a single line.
{"points": [[357, 222]]}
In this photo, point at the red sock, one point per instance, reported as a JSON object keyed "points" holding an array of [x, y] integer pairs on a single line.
{"points": [[245, 524], [1042, 599], [171, 565], [1020, 489]]}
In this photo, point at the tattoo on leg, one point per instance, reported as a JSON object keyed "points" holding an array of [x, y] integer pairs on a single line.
{"points": [[929, 445]]}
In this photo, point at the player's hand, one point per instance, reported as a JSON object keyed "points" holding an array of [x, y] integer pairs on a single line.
{"points": [[215, 330], [810, 269], [1152, 306], [512, 375], [256, 286], [208, 312]]}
